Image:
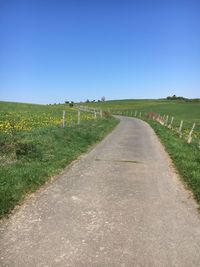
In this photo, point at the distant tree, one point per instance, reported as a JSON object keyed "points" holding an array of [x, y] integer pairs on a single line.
{"points": [[180, 98], [87, 101], [103, 98], [71, 104], [66, 102], [174, 97]]}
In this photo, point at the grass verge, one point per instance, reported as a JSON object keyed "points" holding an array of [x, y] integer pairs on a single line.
{"points": [[29, 159], [186, 157]]}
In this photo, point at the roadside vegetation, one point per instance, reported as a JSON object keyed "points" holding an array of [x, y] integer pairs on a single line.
{"points": [[34, 146], [186, 157]]}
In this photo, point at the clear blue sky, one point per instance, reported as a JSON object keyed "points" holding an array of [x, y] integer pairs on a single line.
{"points": [[53, 50]]}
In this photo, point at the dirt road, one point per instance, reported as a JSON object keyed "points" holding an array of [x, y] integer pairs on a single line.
{"points": [[119, 205]]}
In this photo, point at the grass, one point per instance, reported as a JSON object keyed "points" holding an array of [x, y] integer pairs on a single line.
{"points": [[189, 112], [178, 109], [28, 158], [17, 116]]}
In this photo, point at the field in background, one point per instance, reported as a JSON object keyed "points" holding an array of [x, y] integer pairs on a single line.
{"points": [[189, 112], [179, 109], [27, 117], [186, 157], [34, 145]]}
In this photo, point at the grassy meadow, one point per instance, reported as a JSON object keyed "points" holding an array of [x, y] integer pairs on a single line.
{"points": [[27, 117], [189, 112], [178, 109], [186, 157], [34, 146]]}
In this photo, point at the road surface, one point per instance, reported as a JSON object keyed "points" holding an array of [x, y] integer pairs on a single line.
{"points": [[121, 204]]}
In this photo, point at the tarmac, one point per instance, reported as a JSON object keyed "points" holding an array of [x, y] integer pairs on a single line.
{"points": [[121, 204]]}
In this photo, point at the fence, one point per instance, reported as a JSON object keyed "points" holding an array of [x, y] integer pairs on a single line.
{"points": [[80, 109], [33, 118], [189, 130]]}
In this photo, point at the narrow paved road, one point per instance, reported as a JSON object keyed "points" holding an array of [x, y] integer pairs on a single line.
{"points": [[119, 205]]}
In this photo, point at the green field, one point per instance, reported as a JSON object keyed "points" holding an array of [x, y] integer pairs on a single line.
{"points": [[189, 112], [186, 157], [17, 116], [34, 146], [179, 109]]}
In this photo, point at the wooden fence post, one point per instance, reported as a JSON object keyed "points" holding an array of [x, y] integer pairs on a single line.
{"points": [[166, 120], [101, 113], [136, 113], [180, 129], [79, 117], [170, 125], [63, 119], [95, 114], [190, 134]]}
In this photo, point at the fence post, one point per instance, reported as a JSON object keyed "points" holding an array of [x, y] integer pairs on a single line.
{"points": [[190, 134], [180, 129], [170, 125], [95, 114], [63, 119], [79, 117], [166, 120], [101, 113], [140, 114], [136, 113]]}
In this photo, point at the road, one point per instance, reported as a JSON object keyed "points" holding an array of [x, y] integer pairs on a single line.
{"points": [[121, 204]]}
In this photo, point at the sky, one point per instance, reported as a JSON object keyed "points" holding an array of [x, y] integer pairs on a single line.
{"points": [[57, 50]]}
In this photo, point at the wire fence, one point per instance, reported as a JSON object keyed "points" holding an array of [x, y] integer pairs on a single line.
{"points": [[28, 120], [187, 129]]}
